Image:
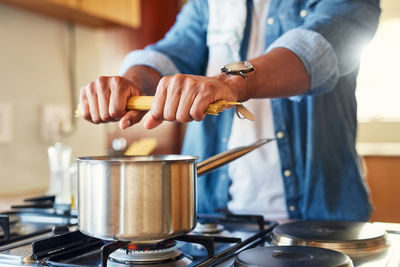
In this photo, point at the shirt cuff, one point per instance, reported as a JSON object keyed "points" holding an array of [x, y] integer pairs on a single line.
{"points": [[317, 55], [150, 58]]}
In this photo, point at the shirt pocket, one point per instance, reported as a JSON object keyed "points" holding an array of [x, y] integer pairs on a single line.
{"points": [[292, 13]]}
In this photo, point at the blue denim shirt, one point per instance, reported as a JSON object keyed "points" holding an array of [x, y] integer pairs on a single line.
{"points": [[316, 132]]}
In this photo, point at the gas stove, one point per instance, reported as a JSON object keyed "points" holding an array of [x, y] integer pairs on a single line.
{"points": [[49, 236]]}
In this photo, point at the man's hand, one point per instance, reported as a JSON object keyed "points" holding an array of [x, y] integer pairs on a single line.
{"points": [[104, 100], [185, 98]]}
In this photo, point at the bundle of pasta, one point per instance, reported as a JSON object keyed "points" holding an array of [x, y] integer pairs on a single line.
{"points": [[143, 103]]}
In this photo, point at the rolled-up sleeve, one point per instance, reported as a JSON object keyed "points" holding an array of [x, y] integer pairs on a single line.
{"points": [[317, 55], [182, 50], [331, 39], [150, 58]]}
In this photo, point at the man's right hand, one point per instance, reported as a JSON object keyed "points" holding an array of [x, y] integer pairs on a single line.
{"points": [[104, 99]]}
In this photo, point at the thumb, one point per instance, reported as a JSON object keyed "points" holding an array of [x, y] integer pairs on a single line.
{"points": [[130, 118], [151, 122]]}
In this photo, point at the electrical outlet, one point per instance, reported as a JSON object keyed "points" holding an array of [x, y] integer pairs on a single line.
{"points": [[6, 123], [56, 120]]}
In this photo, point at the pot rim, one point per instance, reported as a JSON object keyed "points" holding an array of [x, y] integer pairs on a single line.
{"points": [[128, 159]]}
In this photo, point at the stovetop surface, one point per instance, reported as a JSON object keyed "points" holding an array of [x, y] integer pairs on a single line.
{"points": [[43, 238], [330, 231], [47, 238]]}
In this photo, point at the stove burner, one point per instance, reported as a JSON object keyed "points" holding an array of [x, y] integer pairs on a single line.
{"points": [[208, 228], [356, 239], [288, 256], [164, 253], [148, 247]]}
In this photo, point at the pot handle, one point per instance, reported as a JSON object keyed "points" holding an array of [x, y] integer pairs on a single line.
{"points": [[223, 158]]}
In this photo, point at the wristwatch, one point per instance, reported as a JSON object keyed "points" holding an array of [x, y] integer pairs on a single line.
{"points": [[247, 71]]}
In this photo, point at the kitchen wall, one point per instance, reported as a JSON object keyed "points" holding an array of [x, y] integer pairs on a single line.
{"points": [[378, 89], [379, 115], [34, 72]]}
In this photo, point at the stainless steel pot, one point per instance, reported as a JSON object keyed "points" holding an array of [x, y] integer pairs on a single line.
{"points": [[143, 198]]}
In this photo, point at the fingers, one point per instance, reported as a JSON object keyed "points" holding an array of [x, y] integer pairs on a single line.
{"points": [[157, 107], [119, 94], [173, 97], [152, 122], [130, 118], [84, 105], [104, 100], [93, 103], [188, 96], [181, 98], [204, 97], [172, 100]]}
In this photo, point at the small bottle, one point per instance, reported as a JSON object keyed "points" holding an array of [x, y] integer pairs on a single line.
{"points": [[60, 180]]}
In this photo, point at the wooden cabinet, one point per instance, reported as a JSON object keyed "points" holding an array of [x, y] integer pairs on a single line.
{"points": [[383, 178], [87, 12], [124, 12], [66, 3]]}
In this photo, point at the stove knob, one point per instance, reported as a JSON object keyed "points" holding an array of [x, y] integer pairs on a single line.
{"points": [[59, 229]]}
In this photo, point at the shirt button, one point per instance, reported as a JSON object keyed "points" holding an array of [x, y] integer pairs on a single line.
{"points": [[280, 135], [223, 176], [292, 208], [270, 21], [224, 139], [287, 173], [303, 13]]}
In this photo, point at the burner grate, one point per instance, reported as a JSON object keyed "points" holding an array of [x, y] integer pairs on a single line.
{"points": [[63, 246], [77, 249], [233, 219], [5, 225]]}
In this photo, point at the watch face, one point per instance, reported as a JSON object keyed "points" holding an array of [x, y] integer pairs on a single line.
{"points": [[241, 66]]}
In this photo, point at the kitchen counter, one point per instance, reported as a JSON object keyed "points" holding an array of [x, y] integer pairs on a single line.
{"points": [[7, 201], [379, 149]]}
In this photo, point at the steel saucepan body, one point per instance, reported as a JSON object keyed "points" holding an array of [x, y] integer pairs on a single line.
{"points": [[144, 198]]}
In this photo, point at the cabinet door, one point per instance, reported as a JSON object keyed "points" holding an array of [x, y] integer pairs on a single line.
{"points": [[87, 12], [66, 3], [124, 12], [383, 177]]}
